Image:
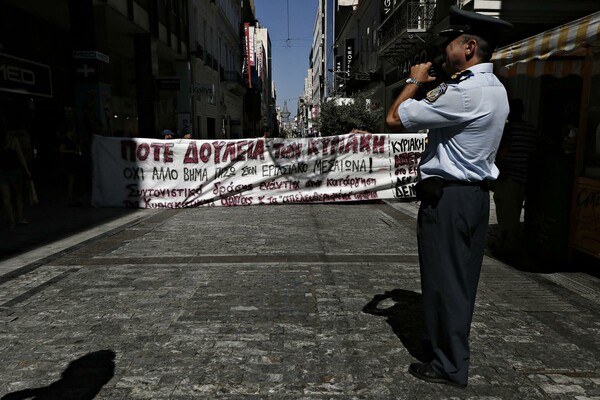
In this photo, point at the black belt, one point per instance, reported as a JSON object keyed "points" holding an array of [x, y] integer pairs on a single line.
{"points": [[449, 183]]}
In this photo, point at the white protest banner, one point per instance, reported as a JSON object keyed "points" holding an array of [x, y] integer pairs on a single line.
{"points": [[152, 173]]}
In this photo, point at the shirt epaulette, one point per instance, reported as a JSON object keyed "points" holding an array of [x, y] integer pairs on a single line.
{"points": [[435, 94], [460, 76]]}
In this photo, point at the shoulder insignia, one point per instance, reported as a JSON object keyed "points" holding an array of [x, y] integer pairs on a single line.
{"points": [[461, 76], [435, 94]]}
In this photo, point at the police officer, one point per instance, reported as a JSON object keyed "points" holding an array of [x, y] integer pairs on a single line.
{"points": [[465, 116]]}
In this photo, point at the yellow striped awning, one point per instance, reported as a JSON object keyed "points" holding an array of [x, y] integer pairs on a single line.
{"points": [[558, 68], [559, 51]]}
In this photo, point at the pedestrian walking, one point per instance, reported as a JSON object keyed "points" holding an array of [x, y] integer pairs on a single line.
{"points": [[465, 116]]}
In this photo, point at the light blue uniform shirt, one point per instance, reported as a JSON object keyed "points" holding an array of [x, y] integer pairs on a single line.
{"points": [[465, 126]]}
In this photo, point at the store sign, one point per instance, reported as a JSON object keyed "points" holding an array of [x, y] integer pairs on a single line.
{"points": [[586, 217], [18, 75], [387, 8], [91, 55], [168, 83], [339, 62], [260, 59], [198, 91], [419, 58], [349, 54], [251, 46], [249, 52]]}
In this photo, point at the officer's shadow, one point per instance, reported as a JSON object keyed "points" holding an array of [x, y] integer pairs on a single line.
{"points": [[405, 317], [82, 380]]}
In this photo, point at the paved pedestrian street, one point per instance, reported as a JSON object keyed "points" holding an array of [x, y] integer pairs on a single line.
{"points": [[278, 302]]}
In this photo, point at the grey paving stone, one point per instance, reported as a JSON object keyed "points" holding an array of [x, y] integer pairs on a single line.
{"points": [[267, 303]]}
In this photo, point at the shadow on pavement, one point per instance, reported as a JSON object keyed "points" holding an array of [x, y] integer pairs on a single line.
{"points": [[82, 380], [536, 258], [406, 319], [51, 220]]}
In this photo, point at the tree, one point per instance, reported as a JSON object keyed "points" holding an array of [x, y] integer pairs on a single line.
{"points": [[339, 116]]}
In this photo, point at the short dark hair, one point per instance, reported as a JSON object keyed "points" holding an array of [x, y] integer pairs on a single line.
{"points": [[485, 49]]}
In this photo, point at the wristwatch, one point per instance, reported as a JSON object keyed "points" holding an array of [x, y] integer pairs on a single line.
{"points": [[413, 80]]}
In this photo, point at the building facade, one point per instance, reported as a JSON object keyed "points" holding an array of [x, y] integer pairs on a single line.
{"points": [[130, 68], [358, 67], [264, 72], [555, 83], [93, 67], [217, 89], [304, 110]]}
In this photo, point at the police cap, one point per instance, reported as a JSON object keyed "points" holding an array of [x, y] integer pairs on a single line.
{"points": [[472, 23]]}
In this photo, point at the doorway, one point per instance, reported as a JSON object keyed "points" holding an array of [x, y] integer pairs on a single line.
{"points": [[210, 128]]}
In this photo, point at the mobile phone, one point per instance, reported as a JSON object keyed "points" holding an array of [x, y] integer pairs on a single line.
{"points": [[437, 70]]}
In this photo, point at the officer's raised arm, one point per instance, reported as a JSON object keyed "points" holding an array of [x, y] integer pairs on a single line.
{"points": [[419, 75]]}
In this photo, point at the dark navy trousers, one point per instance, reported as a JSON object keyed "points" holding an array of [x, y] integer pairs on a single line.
{"points": [[451, 238]]}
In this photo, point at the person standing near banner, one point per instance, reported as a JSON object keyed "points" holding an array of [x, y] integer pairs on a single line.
{"points": [[14, 173], [266, 132], [465, 116], [185, 134], [167, 134], [70, 162]]}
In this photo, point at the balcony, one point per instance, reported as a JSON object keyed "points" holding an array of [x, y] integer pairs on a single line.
{"points": [[399, 31], [199, 52]]}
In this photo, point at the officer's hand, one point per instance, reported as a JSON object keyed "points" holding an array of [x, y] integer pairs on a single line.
{"points": [[420, 72]]}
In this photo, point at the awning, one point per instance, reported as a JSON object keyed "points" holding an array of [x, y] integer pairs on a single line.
{"points": [[559, 51], [558, 68]]}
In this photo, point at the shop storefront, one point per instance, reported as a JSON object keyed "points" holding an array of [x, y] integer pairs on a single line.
{"points": [[34, 88], [559, 71]]}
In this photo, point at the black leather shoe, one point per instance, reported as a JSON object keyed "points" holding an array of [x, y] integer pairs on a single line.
{"points": [[425, 372]]}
